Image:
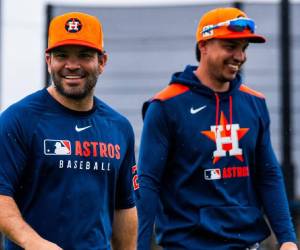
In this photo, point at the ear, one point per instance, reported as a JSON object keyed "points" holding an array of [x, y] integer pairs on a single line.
{"points": [[202, 47], [48, 61], [102, 62]]}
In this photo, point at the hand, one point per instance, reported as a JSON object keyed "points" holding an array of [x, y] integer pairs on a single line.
{"points": [[288, 246], [42, 244]]}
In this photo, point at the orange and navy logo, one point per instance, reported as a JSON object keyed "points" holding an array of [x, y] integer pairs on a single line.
{"points": [[73, 25], [227, 137], [57, 147]]}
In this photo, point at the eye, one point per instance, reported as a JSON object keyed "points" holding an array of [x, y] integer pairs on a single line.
{"points": [[85, 55], [230, 46], [60, 55]]}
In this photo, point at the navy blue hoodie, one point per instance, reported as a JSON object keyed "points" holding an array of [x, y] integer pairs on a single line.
{"points": [[207, 171]]}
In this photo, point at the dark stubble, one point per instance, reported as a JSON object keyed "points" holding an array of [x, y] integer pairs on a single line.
{"points": [[76, 94]]}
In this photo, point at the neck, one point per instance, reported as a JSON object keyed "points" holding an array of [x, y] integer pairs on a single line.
{"points": [[206, 79], [84, 104]]}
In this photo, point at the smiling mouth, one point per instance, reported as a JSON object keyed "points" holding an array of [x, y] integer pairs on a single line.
{"points": [[234, 67], [73, 77]]}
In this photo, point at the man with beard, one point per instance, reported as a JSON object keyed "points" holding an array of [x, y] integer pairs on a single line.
{"points": [[214, 170], [66, 157]]}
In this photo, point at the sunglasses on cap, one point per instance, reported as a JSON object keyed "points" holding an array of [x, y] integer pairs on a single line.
{"points": [[237, 25]]}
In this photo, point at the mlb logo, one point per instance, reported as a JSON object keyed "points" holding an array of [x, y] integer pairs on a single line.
{"points": [[207, 30], [57, 147], [212, 174]]}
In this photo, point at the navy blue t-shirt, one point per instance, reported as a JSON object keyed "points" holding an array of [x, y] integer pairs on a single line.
{"points": [[67, 170]]}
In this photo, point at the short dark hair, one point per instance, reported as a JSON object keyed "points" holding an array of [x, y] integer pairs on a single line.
{"points": [[198, 53], [101, 54]]}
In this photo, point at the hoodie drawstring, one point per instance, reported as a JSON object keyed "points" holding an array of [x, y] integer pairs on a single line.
{"points": [[218, 109], [230, 109]]}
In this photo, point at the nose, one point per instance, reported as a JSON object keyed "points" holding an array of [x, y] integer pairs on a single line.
{"points": [[239, 55], [72, 63]]}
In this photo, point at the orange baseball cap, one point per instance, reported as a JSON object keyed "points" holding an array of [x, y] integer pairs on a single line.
{"points": [[219, 23], [75, 28]]}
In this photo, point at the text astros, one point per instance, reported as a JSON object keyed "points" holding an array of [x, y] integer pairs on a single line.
{"points": [[97, 149]]}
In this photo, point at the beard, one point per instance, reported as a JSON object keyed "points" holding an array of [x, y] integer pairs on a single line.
{"points": [[76, 93]]}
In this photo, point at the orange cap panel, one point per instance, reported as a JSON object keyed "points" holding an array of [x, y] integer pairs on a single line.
{"points": [[75, 28], [220, 15]]}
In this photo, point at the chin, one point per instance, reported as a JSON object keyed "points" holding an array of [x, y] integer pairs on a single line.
{"points": [[231, 76], [76, 96]]}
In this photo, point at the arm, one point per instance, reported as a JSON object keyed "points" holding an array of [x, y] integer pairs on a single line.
{"points": [[14, 155], [272, 189], [152, 160], [124, 229], [16, 229]]}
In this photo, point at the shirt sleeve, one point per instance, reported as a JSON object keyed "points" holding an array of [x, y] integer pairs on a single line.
{"points": [[271, 186], [125, 194], [13, 152], [152, 160]]}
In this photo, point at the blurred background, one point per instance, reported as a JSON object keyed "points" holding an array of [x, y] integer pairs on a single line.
{"points": [[148, 40]]}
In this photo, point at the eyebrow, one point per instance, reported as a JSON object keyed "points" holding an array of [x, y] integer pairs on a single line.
{"points": [[230, 42], [233, 42], [88, 50]]}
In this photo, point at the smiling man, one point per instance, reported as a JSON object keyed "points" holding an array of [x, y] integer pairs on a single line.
{"points": [[66, 157], [214, 173]]}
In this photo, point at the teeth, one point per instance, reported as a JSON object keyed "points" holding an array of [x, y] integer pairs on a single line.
{"points": [[73, 77], [235, 67]]}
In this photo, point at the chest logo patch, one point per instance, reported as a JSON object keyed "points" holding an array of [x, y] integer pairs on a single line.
{"points": [[195, 111], [212, 174], [57, 147], [227, 137], [78, 129]]}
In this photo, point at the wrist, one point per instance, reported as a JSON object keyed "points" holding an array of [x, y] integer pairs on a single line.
{"points": [[30, 239]]}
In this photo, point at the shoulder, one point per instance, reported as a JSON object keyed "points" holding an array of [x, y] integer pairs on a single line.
{"points": [[249, 91], [257, 99], [24, 108], [169, 93], [20, 120], [107, 112]]}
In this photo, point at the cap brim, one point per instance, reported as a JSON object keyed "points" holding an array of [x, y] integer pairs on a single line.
{"points": [[74, 42], [252, 38]]}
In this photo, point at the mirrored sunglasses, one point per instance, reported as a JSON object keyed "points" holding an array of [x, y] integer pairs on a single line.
{"points": [[237, 25]]}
